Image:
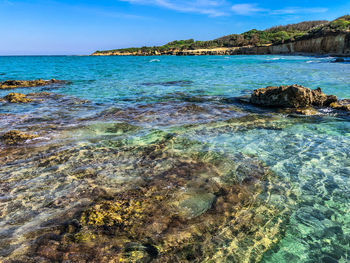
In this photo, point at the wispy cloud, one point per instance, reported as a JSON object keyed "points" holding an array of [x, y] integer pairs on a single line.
{"points": [[215, 8], [298, 10], [252, 9], [212, 8], [247, 9]]}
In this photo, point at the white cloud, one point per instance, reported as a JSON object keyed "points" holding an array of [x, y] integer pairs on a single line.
{"points": [[208, 7], [246, 9], [215, 8], [251, 9], [298, 10]]}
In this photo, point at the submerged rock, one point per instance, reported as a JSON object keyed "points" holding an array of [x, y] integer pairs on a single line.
{"points": [[15, 137], [294, 96], [195, 204], [17, 98], [169, 83], [190, 204], [307, 111], [339, 60], [41, 94], [11, 84]]}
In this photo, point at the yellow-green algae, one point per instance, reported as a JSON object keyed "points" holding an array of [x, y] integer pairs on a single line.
{"points": [[340, 106], [16, 137], [17, 98], [237, 221], [12, 84], [122, 213]]}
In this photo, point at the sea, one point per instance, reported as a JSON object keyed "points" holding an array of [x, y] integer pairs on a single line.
{"points": [[163, 159]]}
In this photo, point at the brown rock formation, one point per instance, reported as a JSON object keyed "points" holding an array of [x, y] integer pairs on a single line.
{"points": [[341, 105], [307, 111], [17, 98], [294, 96], [297, 99], [15, 137], [11, 84]]}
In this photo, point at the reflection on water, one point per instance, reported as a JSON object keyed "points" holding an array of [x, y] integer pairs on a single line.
{"points": [[173, 177]]}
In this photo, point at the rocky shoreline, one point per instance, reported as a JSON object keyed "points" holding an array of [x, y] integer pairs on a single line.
{"points": [[295, 99], [332, 44]]}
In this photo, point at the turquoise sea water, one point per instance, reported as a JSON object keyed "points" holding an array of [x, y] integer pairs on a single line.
{"points": [[175, 123]]}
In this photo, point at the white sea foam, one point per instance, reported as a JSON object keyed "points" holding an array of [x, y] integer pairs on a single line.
{"points": [[274, 58]]}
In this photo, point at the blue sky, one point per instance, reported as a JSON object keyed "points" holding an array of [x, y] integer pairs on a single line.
{"points": [[81, 27]]}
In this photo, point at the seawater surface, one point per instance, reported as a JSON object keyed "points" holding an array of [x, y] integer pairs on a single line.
{"points": [[154, 159]]}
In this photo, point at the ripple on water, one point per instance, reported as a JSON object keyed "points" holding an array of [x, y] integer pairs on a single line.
{"points": [[165, 193], [174, 170]]}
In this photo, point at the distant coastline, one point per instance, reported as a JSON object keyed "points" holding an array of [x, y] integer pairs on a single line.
{"points": [[305, 38]]}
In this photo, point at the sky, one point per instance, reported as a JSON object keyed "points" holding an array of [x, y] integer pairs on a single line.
{"points": [[62, 27]]}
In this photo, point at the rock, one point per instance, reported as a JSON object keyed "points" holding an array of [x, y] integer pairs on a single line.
{"points": [[318, 97], [11, 84], [340, 106], [294, 96], [330, 100], [17, 98], [339, 60], [194, 204], [15, 137], [307, 111], [41, 94]]}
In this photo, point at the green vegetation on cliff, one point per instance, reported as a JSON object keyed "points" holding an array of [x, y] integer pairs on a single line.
{"points": [[254, 37]]}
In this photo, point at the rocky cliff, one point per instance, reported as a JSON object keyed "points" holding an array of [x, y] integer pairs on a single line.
{"points": [[332, 38], [332, 44]]}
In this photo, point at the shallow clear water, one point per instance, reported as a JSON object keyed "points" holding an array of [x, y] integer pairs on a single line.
{"points": [[237, 183]]}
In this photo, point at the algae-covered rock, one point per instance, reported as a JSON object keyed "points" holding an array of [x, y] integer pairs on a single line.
{"points": [[121, 213], [294, 96], [17, 98], [16, 137], [11, 84], [340, 105], [182, 202], [195, 204], [122, 127], [307, 111], [330, 100], [41, 94], [318, 98]]}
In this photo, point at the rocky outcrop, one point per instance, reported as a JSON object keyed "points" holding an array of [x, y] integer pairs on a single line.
{"points": [[11, 84], [297, 99], [15, 137], [17, 98], [341, 105], [294, 96]]}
